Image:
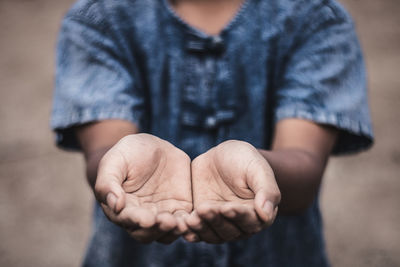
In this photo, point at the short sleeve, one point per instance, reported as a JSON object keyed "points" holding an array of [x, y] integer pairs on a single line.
{"points": [[325, 81], [94, 80]]}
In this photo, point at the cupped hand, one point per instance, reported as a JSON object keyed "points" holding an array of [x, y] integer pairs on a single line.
{"points": [[235, 194], [143, 185]]}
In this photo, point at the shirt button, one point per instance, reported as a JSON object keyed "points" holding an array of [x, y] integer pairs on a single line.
{"points": [[216, 44], [210, 122]]}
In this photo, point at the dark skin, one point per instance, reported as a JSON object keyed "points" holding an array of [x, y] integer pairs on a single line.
{"points": [[236, 188]]}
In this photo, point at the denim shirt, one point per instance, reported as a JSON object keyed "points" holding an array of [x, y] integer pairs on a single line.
{"points": [[137, 60]]}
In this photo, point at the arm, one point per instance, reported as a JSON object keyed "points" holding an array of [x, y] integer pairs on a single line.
{"points": [[298, 158]]}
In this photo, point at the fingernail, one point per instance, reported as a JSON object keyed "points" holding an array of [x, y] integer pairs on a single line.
{"points": [[111, 201], [268, 208]]}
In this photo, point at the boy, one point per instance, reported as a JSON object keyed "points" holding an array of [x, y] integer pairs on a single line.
{"points": [[284, 77]]}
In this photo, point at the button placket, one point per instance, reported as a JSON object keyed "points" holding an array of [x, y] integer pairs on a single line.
{"points": [[200, 107]]}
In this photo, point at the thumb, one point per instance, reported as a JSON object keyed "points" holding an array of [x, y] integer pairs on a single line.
{"points": [[110, 176], [266, 205], [262, 182]]}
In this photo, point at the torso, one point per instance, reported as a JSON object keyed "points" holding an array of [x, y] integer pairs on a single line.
{"points": [[200, 98]]}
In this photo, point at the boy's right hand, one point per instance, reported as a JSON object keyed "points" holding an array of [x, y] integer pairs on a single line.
{"points": [[144, 185]]}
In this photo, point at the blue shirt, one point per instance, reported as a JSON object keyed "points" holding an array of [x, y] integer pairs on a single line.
{"points": [[138, 61]]}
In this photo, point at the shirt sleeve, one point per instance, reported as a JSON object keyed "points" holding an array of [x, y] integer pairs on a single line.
{"points": [[325, 81], [94, 79]]}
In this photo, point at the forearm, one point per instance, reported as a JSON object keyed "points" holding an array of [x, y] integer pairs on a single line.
{"points": [[300, 151], [298, 174]]}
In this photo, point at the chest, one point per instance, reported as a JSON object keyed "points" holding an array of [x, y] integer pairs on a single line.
{"points": [[211, 17], [196, 94]]}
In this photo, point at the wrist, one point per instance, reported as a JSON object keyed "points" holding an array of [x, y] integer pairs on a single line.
{"points": [[92, 163]]}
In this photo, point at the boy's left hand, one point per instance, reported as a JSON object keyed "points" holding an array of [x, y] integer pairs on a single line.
{"points": [[234, 194]]}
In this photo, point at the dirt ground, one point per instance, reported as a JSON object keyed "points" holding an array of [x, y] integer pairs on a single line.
{"points": [[45, 204]]}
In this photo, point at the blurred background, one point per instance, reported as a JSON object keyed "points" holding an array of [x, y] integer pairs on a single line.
{"points": [[45, 203]]}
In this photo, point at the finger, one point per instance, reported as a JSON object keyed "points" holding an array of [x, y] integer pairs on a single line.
{"points": [[201, 229], [244, 217], [188, 234], [219, 224], [266, 209], [180, 216], [165, 223], [120, 221], [131, 218], [147, 235], [261, 180], [111, 173]]}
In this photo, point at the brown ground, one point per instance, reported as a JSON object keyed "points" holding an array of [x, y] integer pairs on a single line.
{"points": [[45, 204]]}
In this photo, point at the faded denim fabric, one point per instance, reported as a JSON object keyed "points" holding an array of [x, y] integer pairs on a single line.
{"points": [[138, 61]]}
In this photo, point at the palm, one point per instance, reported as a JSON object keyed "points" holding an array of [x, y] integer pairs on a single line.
{"points": [[151, 181], [220, 177], [231, 184], [163, 187]]}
